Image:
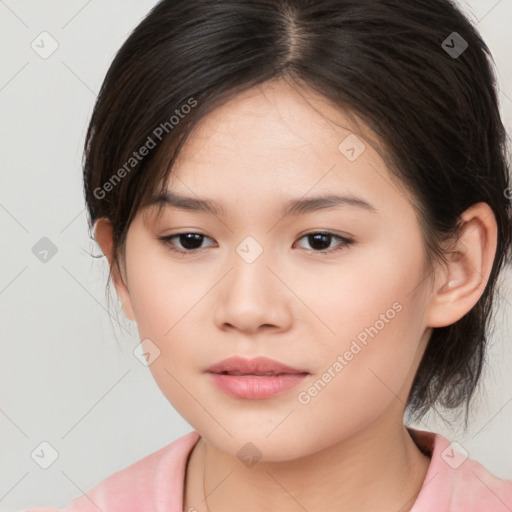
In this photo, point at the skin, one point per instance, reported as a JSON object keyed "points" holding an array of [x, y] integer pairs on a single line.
{"points": [[347, 449]]}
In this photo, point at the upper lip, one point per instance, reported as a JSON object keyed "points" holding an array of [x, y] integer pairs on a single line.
{"points": [[250, 366]]}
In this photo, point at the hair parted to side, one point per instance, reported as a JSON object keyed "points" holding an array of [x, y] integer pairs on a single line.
{"points": [[382, 61]]}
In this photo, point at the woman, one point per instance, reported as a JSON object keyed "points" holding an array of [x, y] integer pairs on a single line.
{"points": [[305, 206]]}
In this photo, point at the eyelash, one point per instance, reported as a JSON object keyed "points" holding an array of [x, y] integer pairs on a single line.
{"points": [[344, 242]]}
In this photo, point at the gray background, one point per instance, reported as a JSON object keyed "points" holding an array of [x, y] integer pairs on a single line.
{"points": [[68, 374]]}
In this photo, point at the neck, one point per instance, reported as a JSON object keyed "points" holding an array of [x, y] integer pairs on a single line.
{"points": [[377, 468]]}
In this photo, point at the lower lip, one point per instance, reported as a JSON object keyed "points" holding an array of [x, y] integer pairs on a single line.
{"points": [[254, 387]]}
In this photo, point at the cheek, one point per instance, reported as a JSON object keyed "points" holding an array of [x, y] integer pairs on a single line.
{"points": [[376, 317], [166, 301], [367, 368], [165, 305], [161, 293]]}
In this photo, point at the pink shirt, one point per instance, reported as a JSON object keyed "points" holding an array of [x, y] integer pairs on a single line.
{"points": [[453, 483]]}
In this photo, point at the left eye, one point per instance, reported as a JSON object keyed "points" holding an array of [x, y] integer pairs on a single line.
{"points": [[191, 242], [321, 239]]}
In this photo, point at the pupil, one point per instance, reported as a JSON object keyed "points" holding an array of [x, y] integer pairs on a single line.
{"points": [[317, 237], [189, 240]]}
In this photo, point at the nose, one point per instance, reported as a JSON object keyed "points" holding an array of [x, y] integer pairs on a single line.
{"points": [[252, 297]]}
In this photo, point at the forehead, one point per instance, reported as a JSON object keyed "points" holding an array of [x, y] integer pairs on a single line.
{"points": [[272, 119], [276, 141]]}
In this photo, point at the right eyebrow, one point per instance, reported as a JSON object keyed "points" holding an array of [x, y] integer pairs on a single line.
{"points": [[174, 200]]}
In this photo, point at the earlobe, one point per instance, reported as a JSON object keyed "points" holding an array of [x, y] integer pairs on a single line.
{"points": [[103, 233], [469, 265]]}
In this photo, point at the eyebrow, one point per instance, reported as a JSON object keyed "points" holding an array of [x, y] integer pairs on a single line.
{"points": [[293, 207]]}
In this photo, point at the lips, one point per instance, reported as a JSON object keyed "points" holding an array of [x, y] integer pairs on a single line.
{"points": [[259, 366], [254, 379]]}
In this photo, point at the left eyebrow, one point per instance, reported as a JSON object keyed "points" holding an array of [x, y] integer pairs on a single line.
{"points": [[293, 207], [313, 204]]}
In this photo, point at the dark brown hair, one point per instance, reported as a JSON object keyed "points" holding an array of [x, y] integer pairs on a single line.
{"points": [[416, 72]]}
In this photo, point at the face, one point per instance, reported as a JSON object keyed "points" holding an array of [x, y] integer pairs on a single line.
{"points": [[346, 306]]}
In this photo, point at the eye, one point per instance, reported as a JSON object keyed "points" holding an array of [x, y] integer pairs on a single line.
{"points": [[322, 240], [190, 242]]}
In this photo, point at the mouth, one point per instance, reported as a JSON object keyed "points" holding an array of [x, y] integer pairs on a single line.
{"points": [[254, 379]]}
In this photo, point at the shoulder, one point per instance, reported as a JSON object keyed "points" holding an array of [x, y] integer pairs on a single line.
{"points": [[154, 482], [456, 483]]}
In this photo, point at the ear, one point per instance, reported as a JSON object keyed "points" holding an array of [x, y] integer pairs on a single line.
{"points": [[470, 261], [103, 233]]}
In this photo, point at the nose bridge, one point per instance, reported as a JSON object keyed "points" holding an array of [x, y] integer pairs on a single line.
{"points": [[251, 295], [250, 250], [250, 272]]}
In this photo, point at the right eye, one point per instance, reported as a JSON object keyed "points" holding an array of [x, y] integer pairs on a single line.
{"points": [[190, 242]]}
